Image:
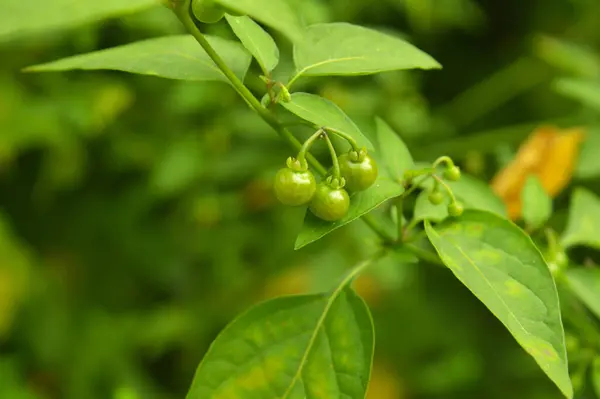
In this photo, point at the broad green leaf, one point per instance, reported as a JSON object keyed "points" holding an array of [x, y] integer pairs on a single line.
{"points": [[583, 226], [275, 13], [502, 267], [472, 192], [345, 49], [294, 347], [588, 164], [258, 42], [18, 17], [585, 91], [360, 203], [585, 283], [174, 57], [537, 205], [395, 156], [324, 113]]}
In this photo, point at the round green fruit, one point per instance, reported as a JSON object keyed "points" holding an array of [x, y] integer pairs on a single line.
{"points": [[207, 11], [452, 173], [294, 187], [360, 172], [455, 209], [436, 197], [330, 203]]}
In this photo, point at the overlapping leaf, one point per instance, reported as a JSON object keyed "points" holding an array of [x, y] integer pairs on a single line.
{"points": [[583, 226], [258, 42]]}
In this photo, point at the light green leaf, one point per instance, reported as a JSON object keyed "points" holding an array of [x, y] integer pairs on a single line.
{"points": [[18, 17], [501, 266], [324, 113], [304, 346], [585, 283], [583, 90], [345, 49], [568, 56], [537, 205], [274, 13], [174, 57], [258, 42], [360, 203], [394, 153], [588, 165], [472, 192], [583, 226]]}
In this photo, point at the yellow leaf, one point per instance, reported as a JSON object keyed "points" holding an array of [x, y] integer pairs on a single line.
{"points": [[549, 154]]}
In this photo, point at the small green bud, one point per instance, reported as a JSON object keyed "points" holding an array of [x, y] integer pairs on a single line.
{"points": [[436, 197], [285, 95], [455, 209], [452, 173]]}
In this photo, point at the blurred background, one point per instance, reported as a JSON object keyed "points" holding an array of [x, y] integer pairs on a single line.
{"points": [[137, 218]]}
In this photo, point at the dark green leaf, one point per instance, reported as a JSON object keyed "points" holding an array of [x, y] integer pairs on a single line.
{"points": [[395, 156], [18, 17], [537, 205], [292, 347], [586, 91], [585, 283], [345, 49], [174, 57], [583, 226], [275, 13], [360, 204], [324, 113], [499, 263], [258, 42], [568, 56]]}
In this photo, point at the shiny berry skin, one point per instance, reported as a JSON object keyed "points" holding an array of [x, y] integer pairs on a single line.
{"points": [[330, 203], [359, 170], [452, 173], [455, 209], [294, 187], [207, 11], [436, 197]]}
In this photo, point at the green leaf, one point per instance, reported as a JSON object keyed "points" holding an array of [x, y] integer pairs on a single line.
{"points": [[588, 164], [324, 113], [583, 226], [394, 153], [472, 192], [258, 42], [537, 205], [568, 56], [360, 203], [18, 17], [174, 57], [585, 283], [502, 267], [345, 49], [274, 13], [585, 91], [304, 346]]}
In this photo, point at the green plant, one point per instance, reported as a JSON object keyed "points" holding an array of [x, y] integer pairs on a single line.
{"points": [[322, 344]]}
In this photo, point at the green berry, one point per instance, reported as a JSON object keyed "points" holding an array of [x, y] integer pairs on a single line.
{"points": [[207, 11], [455, 209], [360, 172], [452, 173], [329, 203], [293, 187], [436, 197]]}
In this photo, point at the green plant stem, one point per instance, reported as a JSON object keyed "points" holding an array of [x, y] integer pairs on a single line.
{"points": [[443, 159], [446, 187], [400, 210], [372, 223], [307, 144], [423, 254], [414, 186], [182, 11], [334, 159], [345, 136]]}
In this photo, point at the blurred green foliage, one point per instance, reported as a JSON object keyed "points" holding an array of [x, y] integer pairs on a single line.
{"points": [[137, 218]]}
